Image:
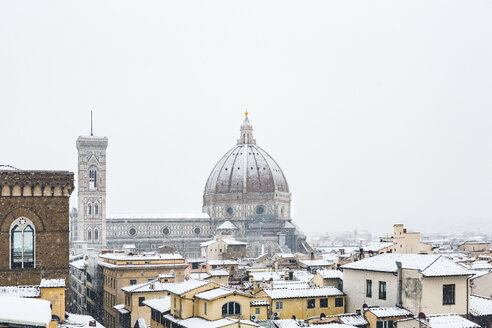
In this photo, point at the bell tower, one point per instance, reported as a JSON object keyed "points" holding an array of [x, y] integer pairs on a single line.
{"points": [[91, 219]]}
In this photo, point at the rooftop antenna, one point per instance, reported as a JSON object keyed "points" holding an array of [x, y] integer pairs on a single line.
{"points": [[91, 125]]}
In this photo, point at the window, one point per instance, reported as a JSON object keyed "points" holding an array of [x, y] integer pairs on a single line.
{"points": [[132, 232], [257, 311], [22, 243], [260, 210], [384, 324], [92, 178], [339, 302], [197, 230], [279, 305], [165, 231], [382, 290], [448, 294], [133, 282], [205, 308], [140, 301], [323, 302], [89, 209], [89, 234], [368, 288], [231, 308], [194, 265], [96, 209], [96, 234], [230, 211], [311, 303]]}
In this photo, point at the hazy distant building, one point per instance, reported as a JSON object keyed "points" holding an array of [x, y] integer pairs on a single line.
{"points": [[91, 218], [246, 187]]}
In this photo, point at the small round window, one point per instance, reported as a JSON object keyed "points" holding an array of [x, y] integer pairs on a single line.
{"points": [[132, 231], [197, 230], [260, 210], [230, 211], [166, 231]]}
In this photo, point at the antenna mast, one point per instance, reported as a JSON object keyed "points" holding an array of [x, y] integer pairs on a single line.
{"points": [[91, 125]]}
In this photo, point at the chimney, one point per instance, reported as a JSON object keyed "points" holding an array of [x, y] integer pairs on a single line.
{"points": [[312, 255], [92, 323]]}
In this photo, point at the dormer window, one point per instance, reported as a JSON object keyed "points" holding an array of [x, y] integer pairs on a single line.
{"points": [[92, 178]]}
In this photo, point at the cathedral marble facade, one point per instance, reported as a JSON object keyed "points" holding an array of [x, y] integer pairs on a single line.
{"points": [[246, 187]]}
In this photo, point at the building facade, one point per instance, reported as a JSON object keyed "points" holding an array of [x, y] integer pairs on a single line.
{"points": [[91, 212], [34, 231]]}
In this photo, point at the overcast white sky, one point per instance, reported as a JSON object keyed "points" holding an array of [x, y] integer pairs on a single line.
{"points": [[377, 111]]}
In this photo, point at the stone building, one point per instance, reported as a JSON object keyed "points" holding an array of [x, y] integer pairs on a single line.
{"points": [[91, 215], [34, 231], [246, 187]]}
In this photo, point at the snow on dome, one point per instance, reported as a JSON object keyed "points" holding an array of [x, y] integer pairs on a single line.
{"points": [[227, 225], [246, 168]]}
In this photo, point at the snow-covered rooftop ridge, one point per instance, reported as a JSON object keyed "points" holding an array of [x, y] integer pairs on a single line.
{"points": [[330, 274], [377, 246], [393, 311], [208, 242], [265, 276], [353, 319], [197, 322], [161, 304], [13, 311], [142, 257], [428, 265], [222, 262], [282, 293], [6, 167], [52, 283], [20, 291], [79, 264], [285, 255], [159, 216], [148, 286], [199, 275], [480, 306], [227, 225], [293, 323], [179, 288]]}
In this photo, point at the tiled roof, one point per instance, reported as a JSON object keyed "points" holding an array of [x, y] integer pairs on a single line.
{"points": [[330, 274], [214, 293], [179, 288], [480, 306], [450, 321], [353, 319]]}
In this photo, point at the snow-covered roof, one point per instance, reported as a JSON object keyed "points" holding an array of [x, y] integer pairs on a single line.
{"points": [[428, 265], [13, 311], [293, 323], [227, 225], [161, 304], [233, 242], [20, 291], [149, 286], [129, 246], [303, 275], [214, 293], [78, 264], [121, 308], [285, 255], [480, 306], [288, 225], [282, 293], [197, 322], [450, 321], [315, 263], [78, 321], [353, 319], [166, 275], [208, 242], [265, 276], [289, 284], [218, 272], [52, 283], [159, 216], [387, 312], [377, 246], [480, 265], [179, 288], [199, 275], [259, 303], [142, 257], [330, 274], [141, 323]]}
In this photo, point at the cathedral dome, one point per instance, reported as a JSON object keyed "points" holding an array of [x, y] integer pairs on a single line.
{"points": [[246, 168]]}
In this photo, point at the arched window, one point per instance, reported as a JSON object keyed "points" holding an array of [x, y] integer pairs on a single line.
{"points": [[96, 234], [92, 178], [22, 243], [96, 209], [231, 308], [89, 209], [89, 234]]}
